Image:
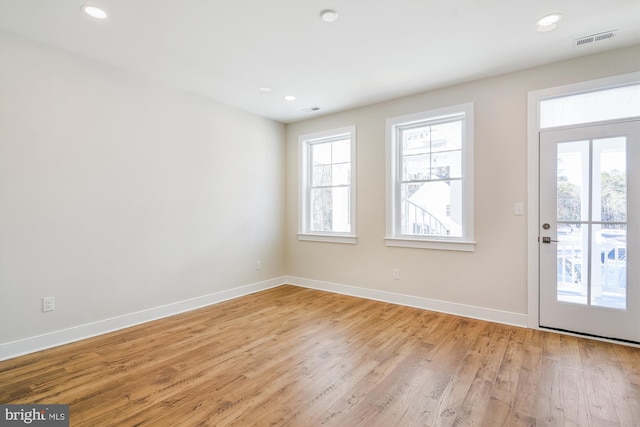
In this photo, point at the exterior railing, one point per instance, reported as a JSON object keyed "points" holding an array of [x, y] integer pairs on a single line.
{"points": [[420, 222]]}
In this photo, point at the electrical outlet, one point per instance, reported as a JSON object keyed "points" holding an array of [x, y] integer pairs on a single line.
{"points": [[48, 304], [258, 265], [396, 273]]}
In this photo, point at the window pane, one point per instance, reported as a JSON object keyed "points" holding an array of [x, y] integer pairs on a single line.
{"points": [[340, 209], [573, 181], [321, 153], [610, 179], [341, 174], [431, 209], [321, 176], [572, 248], [446, 136], [330, 209], [446, 165], [416, 167], [415, 140], [588, 107], [609, 266], [321, 209], [331, 163], [432, 152], [341, 151]]}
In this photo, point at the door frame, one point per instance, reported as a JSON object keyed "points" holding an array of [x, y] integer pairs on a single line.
{"points": [[533, 178]]}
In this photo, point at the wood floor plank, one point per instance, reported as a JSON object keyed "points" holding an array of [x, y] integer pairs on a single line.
{"points": [[500, 405], [290, 356], [476, 402]]}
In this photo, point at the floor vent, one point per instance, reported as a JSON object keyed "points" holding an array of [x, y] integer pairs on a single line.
{"points": [[595, 38]]}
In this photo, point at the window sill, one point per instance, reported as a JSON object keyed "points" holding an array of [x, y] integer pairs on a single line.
{"points": [[462, 246], [328, 238]]}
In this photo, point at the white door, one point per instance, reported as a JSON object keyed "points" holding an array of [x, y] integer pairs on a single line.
{"points": [[589, 245]]}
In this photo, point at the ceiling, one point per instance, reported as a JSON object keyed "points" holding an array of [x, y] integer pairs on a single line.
{"points": [[376, 50]]}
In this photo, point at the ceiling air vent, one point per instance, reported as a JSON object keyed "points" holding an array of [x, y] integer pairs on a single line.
{"points": [[310, 109], [595, 38]]}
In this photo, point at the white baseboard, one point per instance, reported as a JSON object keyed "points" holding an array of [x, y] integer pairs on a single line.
{"points": [[482, 313], [53, 339]]}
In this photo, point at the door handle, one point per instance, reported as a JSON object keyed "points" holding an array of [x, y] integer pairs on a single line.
{"points": [[546, 239]]}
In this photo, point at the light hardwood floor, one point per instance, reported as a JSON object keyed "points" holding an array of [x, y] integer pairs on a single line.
{"points": [[298, 357]]}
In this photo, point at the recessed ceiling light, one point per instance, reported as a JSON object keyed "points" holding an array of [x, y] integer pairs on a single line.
{"points": [[94, 12], [545, 28], [328, 15], [552, 18], [548, 22], [289, 98], [265, 89]]}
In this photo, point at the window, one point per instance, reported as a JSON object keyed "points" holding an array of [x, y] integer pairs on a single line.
{"points": [[327, 186], [591, 106], [430, 179]]}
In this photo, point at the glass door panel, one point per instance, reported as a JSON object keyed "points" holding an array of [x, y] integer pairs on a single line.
{"points": [[591, 253], [572, 284]]}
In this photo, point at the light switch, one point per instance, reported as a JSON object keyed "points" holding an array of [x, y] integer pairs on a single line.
{"points": [[518, 208]]}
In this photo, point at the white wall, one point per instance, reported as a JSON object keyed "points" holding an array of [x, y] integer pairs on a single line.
{"points": [[495, 275], [118, 194]]}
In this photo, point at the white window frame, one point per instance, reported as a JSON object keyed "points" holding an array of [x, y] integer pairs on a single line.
{"points": [[394, 237], [304, 187]]}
